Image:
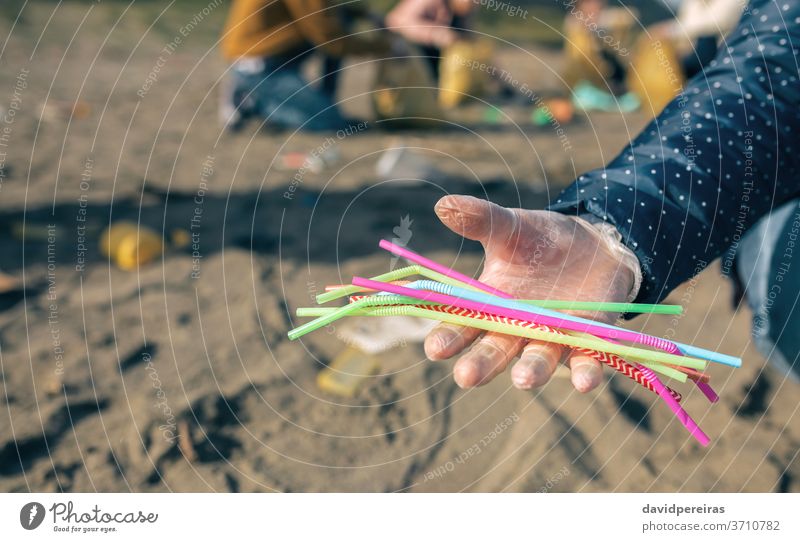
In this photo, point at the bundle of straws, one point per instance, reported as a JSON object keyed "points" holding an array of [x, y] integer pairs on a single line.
{"points": [[449, 296]]}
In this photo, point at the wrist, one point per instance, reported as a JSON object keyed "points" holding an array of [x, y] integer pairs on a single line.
{"points": [[612, 239]]}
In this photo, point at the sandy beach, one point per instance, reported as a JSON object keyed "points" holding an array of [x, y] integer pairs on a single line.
{"points": [[179, 376]]}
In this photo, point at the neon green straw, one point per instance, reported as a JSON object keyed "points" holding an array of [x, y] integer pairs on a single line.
{"points": [[303, 312], [346, 310], [602, 306], [554, 304], [639, 354], [397, 274], [663, 369], [670, 372]]}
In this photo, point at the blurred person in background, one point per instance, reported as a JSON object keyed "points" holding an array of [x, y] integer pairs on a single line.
{"points": [[432, 25], [268, 42], [587, 56], [596, 42], [698, 29]]}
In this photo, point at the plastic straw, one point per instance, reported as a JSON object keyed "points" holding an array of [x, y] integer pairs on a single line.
{"points": [[707, 390], [680, 413], [667, 394], [397, 274], [684, 348], [450, 314], [696, 376], [363, 310], [603, 306], [481, 297], [613, 361], [558, 304], [439, 268], [646, 376], [498, 324], [549, 321], [335, 287], [341, 312], [544, 314], [670, 372]]}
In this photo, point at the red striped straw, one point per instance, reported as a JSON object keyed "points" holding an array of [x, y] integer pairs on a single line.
{"points": [[612, 360]]}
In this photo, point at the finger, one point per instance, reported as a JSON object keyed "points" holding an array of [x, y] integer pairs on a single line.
{"points": [[585, 372], [536, 364], [490, 356], [447, 340], [476, 219]]}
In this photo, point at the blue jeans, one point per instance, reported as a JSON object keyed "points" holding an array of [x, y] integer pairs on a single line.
{"points": [[273, 90], [770, 274]]}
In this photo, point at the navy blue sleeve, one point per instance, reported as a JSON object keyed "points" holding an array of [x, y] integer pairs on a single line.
{"points": [[720, 156]]}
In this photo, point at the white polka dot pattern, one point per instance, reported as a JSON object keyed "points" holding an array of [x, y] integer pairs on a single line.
{"points": [[720, 156]]}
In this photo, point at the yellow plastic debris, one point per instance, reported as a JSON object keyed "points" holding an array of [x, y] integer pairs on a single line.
{"points": [[347, 372], [405, 93], [180, 238], [656, 75], [464, 71], [130, 245]]}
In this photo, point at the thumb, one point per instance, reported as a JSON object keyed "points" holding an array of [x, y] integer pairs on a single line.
{"points": [[476, 219]]}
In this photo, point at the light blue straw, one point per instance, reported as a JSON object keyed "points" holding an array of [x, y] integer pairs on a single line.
{"points": [[488, 299]]}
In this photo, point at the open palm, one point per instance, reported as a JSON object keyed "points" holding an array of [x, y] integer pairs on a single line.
{"points": [[530, 255]]}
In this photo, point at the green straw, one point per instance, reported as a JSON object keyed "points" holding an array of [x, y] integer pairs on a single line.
{"points": [[663, 369], [670, 372], [639, 354], [303, 312], [397, 274], [603, 306], [346, 310], [554, 304]]}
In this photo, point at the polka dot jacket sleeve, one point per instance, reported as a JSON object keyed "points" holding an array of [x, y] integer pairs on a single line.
{"points": [[720, 156]]}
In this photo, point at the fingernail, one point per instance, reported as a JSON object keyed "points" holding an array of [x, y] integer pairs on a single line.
{"points": [[454, 213], [445, 204], [586, 377], [437, 344], [522, 377], [472, 369], [443, 209], [530, 371], [466, 376]]}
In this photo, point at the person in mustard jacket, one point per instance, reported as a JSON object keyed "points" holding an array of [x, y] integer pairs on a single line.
{"points": [[268, 42]]}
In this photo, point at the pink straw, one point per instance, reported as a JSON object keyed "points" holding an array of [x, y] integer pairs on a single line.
{"points": [[662, 390], [552, 321], [707, 390], [612, 360], [680, 413], [640, 338], [439, 268]]}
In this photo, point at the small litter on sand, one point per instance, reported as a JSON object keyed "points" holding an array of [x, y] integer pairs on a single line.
{"points": [[348, 371], [405, 164], [130, 245], [377, 335]]}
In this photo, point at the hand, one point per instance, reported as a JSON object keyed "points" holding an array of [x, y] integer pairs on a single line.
{"points": [[531, 255]]}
